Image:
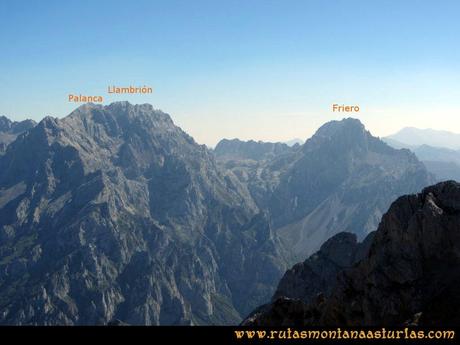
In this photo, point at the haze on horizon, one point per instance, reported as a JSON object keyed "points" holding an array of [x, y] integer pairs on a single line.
{"points": [[262, 70]]}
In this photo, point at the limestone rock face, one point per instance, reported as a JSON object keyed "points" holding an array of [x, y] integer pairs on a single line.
{"points": [[114, 213]]}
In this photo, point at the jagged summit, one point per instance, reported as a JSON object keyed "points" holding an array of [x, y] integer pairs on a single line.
{"points": [[119, 110], [104, 134], [115, 105], [348, 134], [348, 125]]}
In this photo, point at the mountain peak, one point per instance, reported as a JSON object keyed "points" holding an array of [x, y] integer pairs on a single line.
{"points": [[346, 125], [116, 106], [345, 135], [118, 115], [5, 123]]}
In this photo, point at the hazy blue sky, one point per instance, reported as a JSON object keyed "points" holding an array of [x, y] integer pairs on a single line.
{"points": [[267, 70]]}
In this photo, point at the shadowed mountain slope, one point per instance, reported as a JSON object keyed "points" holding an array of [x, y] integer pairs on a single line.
{"points": [[410, 274]]}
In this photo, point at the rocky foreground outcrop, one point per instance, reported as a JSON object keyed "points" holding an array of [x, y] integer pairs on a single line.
{"points": [[311, 280], [318, 273], [410, 275]]}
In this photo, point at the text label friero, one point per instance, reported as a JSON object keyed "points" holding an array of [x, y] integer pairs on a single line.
{"points": [[129, 89], [85, 99], [345, 108]]}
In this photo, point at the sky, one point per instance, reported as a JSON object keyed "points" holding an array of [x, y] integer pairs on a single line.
{"points": [[249, 69]]}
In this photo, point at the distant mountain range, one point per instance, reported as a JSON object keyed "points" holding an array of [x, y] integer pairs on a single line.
{"points": [[295, 141], [416, 137], [115, 213], [438, 150], [241, 150]]}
